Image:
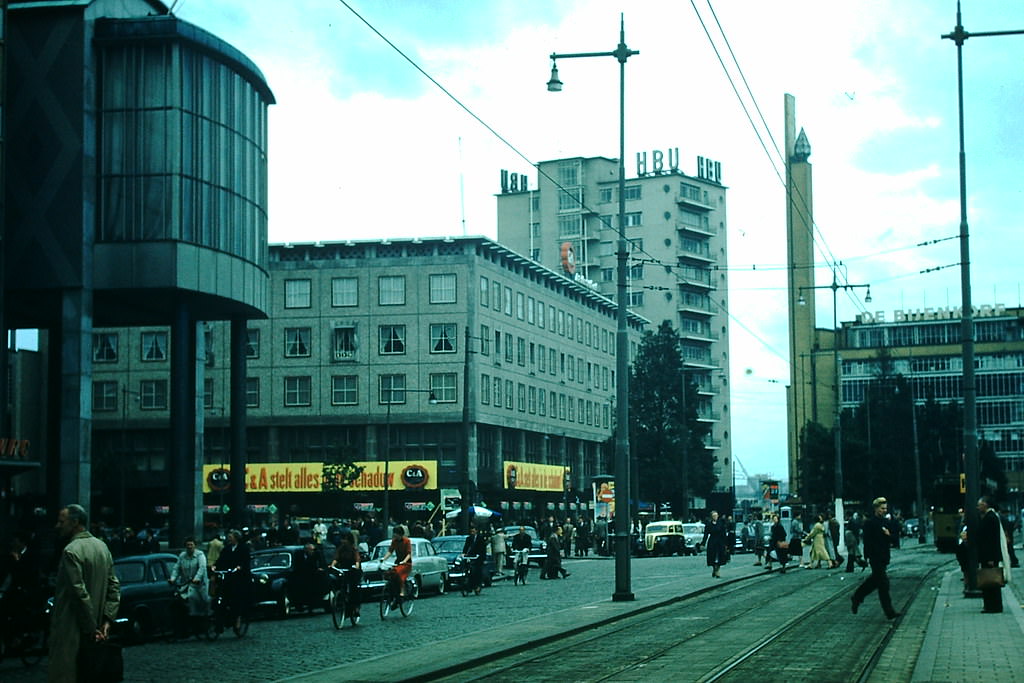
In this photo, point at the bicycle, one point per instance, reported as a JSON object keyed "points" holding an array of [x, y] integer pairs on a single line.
{"points": [[224, 613], [183, 624], [522, 566], [27, 635], [391, 597], [342, 602], [471, 569]]}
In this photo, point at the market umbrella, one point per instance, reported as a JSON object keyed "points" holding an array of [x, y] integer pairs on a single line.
{"points": [[475, 511]]}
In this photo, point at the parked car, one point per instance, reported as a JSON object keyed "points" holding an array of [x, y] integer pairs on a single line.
{"points": [[272, 571], [664, 538], [450, 547], [693, 532], [429, 570], [910, 527], [744, 542], [145, 594], [538, 549]]}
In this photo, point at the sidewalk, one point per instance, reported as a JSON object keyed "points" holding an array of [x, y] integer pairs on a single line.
{"points": [[962, 644]]}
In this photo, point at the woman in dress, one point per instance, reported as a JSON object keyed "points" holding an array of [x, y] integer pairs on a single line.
{"points": [[816, 539]]}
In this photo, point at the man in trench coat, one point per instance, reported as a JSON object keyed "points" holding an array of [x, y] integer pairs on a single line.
{"points": [[86, 596]]}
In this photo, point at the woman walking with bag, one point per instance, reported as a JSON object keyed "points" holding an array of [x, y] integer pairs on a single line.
{"points": [[714, 540], [991, 553], [816, 538]]}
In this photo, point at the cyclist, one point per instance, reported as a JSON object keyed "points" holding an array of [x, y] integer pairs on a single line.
{"points": [[401, 548], [346, 556], [521, 545], [189, 575], [475, 549], [235, 588]]}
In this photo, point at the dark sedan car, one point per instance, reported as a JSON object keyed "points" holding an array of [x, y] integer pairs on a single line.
{"points": [[273, 569], [145, 594], [538, 547], [450, 547]]}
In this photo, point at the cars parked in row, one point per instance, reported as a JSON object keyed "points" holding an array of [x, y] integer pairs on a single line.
{"points": [[693, 533], [664, 538]]}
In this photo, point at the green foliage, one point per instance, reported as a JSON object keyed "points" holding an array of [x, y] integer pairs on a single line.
{"points": [[664, 425]]}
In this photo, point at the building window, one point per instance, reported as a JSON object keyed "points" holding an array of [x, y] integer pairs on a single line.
{"points": [[636, 298], [531, 304], [632, 192], [344, 390], [552, 363], [634, 218], [296, 342], [521, 397], [572, 410], [496, 295], [497, 392], [508, 300], [442, 338], [391, 290], [344, 292], [509, 394], [508, 347], [636, 272], [298, 391], [604, 195], [485, 292], [153, 394], [535, 254], [520, 306], [561, 407], [569, 173], [391, 389], [208, 393], [569, 226], [531, 400], [344, 342], [252, 392], [520, 350], [442, 385], [570, 325], [442, 288], [542, 360], [485, 389], [542, 403], [104, 347], [392, 339], [154, 346], [297, 293], [553, 405], [561, 322], [540, 314], [252, 343], [570, 200], [485, 340], [104, 397]]}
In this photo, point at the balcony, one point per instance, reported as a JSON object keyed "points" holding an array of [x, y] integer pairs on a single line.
{"points": [[702, 253], [707, 230], [695, 335], [693, 201]]}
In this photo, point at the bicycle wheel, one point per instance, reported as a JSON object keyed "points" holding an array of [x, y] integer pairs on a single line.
{"points": [[207, 629], [338, 604], [385, 604], [412, 591]]}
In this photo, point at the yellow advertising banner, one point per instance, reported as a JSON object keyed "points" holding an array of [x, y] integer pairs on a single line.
{"points": [[308, 477], [530, 476]]}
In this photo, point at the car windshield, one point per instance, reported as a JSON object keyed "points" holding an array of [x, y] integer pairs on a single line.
{"points": [[530, 531], [449, 545], [281, 560]]}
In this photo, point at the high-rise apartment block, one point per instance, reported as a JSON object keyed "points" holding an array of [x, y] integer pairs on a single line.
{"points": [[676, 228]]}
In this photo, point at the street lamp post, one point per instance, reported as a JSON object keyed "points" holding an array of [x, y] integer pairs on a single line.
{"points": [[432, 399], [623, 590], [972, 468], [837, 412]]}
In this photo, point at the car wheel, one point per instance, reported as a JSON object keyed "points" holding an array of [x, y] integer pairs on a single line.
{"points": [[442, 587], [140, 626], [284, 606]]}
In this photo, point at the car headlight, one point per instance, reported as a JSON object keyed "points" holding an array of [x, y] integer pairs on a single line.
{"points": [[262, 579]]}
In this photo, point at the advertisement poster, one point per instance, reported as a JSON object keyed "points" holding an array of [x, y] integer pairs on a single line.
{"points": [[310, 477], [531, 476]]}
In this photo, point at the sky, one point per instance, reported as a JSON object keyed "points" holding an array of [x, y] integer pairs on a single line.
{"points": [[362, 145]]}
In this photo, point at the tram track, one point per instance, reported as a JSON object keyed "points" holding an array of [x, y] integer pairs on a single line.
{"points": [[731, 631]]}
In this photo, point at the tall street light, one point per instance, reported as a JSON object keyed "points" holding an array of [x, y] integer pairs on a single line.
{"points": [[392, 390], [623, 591], [837, 430], [972, 469]]}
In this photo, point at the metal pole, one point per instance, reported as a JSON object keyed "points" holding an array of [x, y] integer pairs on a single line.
{"points": [[838, 413], [387, 455]]}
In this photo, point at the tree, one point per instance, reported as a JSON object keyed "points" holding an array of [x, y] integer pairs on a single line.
{"points": [[665, 431]]}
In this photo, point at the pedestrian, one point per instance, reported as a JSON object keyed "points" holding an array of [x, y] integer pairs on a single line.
{"points": [[877, 545], [853, 554], [498, 548], [234, 588], [553, 564], [758, 539], [568, 536], [714, 541], [86, 595], [189, 575], [992, 553], [833, 531], [779, 545], [816, 538], [796, 534]]}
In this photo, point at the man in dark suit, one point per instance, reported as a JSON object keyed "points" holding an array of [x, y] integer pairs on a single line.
{"points": [[877, 542]]}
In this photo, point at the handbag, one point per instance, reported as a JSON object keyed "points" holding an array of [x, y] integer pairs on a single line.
{"points": [[100, 662], [990, 577]]}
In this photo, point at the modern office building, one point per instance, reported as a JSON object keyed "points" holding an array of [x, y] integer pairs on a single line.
{"points": [[676, 226], [450, 367], [924, 346], [135, 193]]}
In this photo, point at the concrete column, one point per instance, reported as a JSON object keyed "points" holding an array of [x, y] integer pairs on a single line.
{"points": [[239, 333], [74, 373], [181, 465]]}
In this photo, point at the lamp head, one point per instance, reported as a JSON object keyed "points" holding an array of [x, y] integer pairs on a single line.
{"points": [[554, 85], [867, 297], [432, 399], [801, 301]]}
